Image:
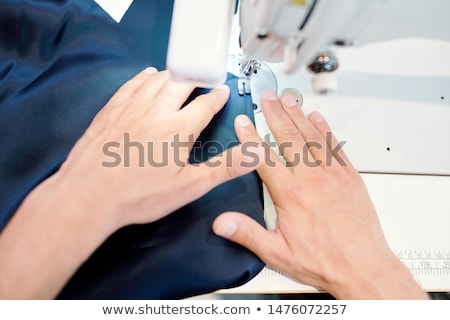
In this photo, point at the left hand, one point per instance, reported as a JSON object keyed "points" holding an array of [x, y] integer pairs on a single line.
{"points": [[134, 156], [131, 166]]}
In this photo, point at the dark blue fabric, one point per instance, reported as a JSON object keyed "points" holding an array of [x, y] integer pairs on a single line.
{"points": [[60, 61], [148, 22]]}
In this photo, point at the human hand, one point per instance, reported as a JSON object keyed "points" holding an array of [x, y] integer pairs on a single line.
{"points": [[327, 232], [134, 156]]}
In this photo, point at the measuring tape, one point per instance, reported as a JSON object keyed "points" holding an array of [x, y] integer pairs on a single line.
{"points": [[426, 263], [435, 263], [430, 268]]}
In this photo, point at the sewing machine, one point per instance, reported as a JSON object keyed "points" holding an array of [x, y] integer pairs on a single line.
{"points": [[379, 71], [296, 32]]}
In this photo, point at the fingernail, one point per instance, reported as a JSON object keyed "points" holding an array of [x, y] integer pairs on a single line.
{"points": [[150, 70], [317, 117], [223, 87], [226, 228], [289, 101], [270, 96], [243, 120]]}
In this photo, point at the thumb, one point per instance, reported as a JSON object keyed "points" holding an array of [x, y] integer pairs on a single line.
{"points": [[232, 163], [247, 232]]}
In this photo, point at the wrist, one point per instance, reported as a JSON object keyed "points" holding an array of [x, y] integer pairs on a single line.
{"points": [[391, 279], [55, 229], [77, 201]]}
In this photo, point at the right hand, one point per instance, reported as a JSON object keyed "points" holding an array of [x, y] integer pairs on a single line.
{"points": [[327, 231]]}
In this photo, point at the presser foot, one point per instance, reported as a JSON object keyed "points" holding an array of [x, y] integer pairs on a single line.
{"points": [[248, 69], [255, 77]]}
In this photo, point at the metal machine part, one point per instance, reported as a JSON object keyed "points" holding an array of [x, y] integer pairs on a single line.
{"points": [[325, 61], [294, 31], [323, 66], [255, 77], [291, 32], [248, 69], [295, 93]]}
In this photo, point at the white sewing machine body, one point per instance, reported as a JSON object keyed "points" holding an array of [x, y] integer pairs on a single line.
{"points": [[392, 107], [294, 32]]}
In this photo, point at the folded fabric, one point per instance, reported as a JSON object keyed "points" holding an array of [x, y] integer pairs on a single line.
{"points": [[60, 62]]}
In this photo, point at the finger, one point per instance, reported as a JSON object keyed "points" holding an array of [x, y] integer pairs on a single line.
{"points": [[170, 96], [272, 171], [315, 142], [289, 138], [199, 112], [129, 88], [230, 164], [116, 106], [335, 147], [250, 234]]}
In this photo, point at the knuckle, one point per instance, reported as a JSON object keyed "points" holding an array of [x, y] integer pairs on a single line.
{"points": [[248, 237], [313, 136], [168, 99], [231, 172], [101, 120], [206, 101], [207, 105], [183, 127], [252, 135], [128, 86], [289, 133]]}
